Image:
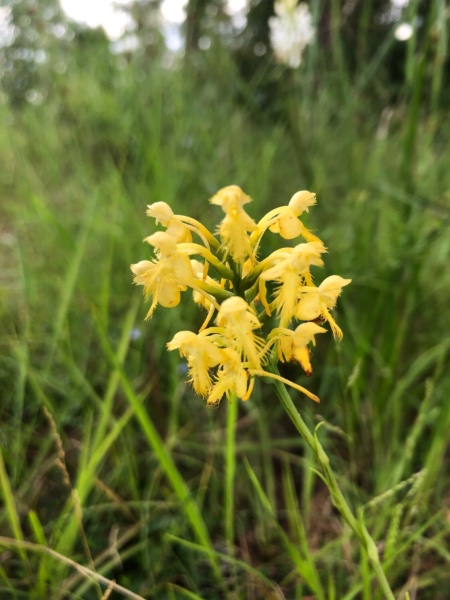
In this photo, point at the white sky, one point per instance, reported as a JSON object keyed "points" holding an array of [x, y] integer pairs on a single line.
{"points": [[97, 13], [115, 22]]}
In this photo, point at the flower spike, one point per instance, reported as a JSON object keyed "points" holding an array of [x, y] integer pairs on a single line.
{"points": [[236, 223], [259, 312]]}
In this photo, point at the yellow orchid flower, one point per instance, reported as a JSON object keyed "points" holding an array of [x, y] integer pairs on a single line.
{"points": [[290, 271], [315, 302], [236, 223], [285, 219], [238, 322], [162, 213], [152, 276], [201, 355], [199, 298], [167, 276], [203, 352], [293, 344], [180, 226], [166, 246], [232, 379]]}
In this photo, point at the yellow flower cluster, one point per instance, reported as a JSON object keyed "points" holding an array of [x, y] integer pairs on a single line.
{"points": [[230, 281]]}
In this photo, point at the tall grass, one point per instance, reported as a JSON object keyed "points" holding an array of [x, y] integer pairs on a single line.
{"points": [[112, 472]]}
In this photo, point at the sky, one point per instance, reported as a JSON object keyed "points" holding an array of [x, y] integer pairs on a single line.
{"points": [[98, 13], [95, 13], [115, 22]]}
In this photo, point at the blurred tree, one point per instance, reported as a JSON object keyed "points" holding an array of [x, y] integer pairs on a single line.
{"points": [[206, 19], [252, 50], [145, 37], [193, 28], [40, 34], [354, 42]]}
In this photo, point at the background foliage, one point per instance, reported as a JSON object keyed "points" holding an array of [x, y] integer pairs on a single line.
{"points": [[107, 458]]}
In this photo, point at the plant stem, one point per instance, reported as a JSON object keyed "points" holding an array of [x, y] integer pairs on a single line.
{"points": [[329, 478], [230, 470]]}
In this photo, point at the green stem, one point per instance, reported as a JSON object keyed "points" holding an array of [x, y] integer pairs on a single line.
{"points": [[328, 476], [230, 470]]}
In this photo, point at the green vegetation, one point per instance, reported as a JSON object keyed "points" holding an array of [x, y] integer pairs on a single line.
{"points": [[113, 474]]}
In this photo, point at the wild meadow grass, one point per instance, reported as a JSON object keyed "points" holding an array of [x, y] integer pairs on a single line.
{"points": [[115, 478]]}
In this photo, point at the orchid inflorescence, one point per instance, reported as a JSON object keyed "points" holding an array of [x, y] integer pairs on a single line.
{"points": [[244, 295]]}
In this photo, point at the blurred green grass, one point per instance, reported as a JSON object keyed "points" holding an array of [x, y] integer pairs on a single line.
{"points": [[109, 458]]}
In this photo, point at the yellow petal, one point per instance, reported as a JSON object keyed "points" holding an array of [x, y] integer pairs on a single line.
{"points": [[288, 226], [305, 332], [309, 307], [181, 339], [162, 242], [240, 383], [141, 268], [274, 272], [301, 201], [181, 268], [169, 295], [286, 347], [231, 198], [307, 254], [161, 212], [303, 356], [200, 378], [331, 287], [179, 232]]}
